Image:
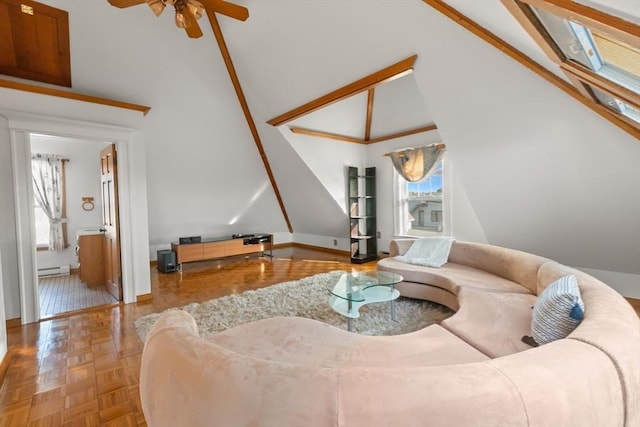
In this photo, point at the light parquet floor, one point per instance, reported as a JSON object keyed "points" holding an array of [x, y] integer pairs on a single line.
{"points": [[83, 369]]}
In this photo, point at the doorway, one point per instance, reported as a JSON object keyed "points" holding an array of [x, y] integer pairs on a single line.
{"points": [[132, 180], [63, 284]]}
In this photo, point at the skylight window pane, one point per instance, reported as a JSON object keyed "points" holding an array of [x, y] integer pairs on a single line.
{"points": [[606, 56], [617, 105], [618, 53], [564, 37]]}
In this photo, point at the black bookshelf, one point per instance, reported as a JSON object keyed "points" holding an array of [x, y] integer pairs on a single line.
{"points": [[362, 215]]}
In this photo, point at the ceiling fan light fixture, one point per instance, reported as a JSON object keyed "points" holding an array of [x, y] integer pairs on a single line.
{"points": [[196, 8], [181, 21], [157, 6]]}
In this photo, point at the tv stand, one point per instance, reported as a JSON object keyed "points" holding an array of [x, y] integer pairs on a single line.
{"points": [[220, 247]]}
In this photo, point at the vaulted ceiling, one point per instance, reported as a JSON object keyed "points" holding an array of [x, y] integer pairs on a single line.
{"points": [[529, 166]]}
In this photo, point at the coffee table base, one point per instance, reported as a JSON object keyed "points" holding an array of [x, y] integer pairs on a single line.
{"points": [[349, 309]]}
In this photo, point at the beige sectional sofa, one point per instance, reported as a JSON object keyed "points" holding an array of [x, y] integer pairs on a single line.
{"points": [[472, 370]]}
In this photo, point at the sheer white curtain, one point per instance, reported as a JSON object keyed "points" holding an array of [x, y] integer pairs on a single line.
{"points": [[47, 189], [414, 164]]}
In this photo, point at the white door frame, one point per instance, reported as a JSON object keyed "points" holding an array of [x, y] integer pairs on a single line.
{"points": [[21, 126]]}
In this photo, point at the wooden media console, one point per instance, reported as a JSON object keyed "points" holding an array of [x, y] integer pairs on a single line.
{"points": [[219, 247]]}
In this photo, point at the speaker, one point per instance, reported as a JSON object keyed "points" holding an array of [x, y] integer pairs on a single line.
{"points": [[166, 261]]}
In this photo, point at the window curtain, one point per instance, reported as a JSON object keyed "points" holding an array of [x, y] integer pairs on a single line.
{"points": [[47, 189], [414, 164]]}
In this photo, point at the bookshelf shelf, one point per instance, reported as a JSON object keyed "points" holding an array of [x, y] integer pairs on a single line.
{"points": [[362, 214]]}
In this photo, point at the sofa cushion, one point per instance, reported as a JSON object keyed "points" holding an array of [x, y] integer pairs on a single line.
{"points": [[558, 310], [307, 342], [494, 323], [451, 276]]}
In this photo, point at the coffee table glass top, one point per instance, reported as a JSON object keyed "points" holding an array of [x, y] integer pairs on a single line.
{"points": [[353, 286]]}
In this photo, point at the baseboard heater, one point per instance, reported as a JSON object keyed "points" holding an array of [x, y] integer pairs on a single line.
{"points": [[62, 270]]}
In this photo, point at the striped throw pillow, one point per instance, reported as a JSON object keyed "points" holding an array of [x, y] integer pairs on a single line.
{"points": [[557, 311]]}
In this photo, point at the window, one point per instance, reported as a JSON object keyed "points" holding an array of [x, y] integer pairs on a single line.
{"points": [[49, 195], [599, 53], [419, 205], [42, 227]]}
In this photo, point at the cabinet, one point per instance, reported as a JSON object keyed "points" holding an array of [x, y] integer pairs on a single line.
{"points": [[219, 247], [362, 215], [91, 259], [35, 42]]}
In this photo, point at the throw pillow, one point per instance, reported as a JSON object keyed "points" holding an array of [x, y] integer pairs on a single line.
{"points": [[558, 311]]}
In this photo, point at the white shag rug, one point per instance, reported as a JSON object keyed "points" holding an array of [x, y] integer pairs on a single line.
{"points": [[307, 297]]}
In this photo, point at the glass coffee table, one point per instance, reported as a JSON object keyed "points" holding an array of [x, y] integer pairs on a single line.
{"points": [[355, 289]]}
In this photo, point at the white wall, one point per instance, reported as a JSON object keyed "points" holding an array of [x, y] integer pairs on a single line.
{"points": [[536, 164], [8, 243], [82, 174], [528, 160], [8, 227]]}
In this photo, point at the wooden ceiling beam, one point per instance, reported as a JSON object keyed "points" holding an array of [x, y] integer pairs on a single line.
{"points": [[367, 130], [403, 133], [224, 50], [327, 135], [26, 87], [392, 72], [321, 134]]}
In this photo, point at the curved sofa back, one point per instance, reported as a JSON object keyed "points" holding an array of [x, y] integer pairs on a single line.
{"points": [[517, 266], [611, 325], [590, 378]]}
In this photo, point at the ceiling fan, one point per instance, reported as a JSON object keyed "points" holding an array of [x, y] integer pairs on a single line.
{"points": [[189, 11]]}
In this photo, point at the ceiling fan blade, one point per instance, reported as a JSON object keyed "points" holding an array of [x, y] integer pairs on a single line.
{"points": [[231, 10], [193, 29], [125, 3]]}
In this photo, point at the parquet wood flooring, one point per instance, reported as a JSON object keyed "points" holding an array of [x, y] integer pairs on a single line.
{"points": [[635, 303], [83, 369]]}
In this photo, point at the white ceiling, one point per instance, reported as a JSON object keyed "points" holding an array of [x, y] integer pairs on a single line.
{"points": [[397, 106]]}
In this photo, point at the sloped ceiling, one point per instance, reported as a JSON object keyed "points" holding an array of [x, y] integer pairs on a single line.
{"points": [[397, 106], [541, 172], [524, 151]]}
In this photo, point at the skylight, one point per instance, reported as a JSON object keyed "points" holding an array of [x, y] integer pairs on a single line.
{"points": [[600, 53]]}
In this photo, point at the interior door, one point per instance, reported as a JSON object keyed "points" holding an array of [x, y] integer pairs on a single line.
{"points": [[109, 180]]}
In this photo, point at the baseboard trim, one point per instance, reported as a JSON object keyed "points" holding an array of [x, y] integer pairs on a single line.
{"points": [[282, 245], [320, 248], [12, 323], [144, 297]]}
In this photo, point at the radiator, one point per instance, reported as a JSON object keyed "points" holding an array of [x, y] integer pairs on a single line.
{"points": [[54, 271]]}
